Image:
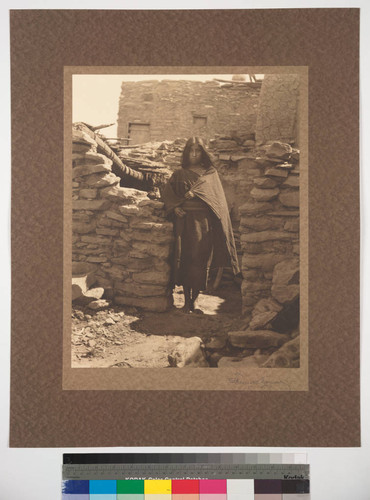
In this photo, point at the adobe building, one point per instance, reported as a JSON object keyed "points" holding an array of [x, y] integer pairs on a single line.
{"points": [[167, 109]]}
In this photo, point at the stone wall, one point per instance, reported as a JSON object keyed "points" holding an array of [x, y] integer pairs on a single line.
{"points": [[261, 185], [118, 232], [278, 109], [170, 106], [269, 222]]}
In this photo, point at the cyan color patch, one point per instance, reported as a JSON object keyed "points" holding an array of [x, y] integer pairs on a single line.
{"points": [[103, 487]]}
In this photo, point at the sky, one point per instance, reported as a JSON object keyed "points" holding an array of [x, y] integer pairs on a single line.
{"points": [[95, 97]]}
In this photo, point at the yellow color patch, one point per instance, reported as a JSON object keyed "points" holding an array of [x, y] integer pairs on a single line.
{"points": [[157, 486]]}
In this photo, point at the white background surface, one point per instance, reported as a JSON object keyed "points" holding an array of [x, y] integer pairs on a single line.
{"points": [[35, 474]]}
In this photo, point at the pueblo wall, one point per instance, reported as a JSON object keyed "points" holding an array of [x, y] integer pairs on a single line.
{"points": [[118, 234], [278, 109], [170, 107]]}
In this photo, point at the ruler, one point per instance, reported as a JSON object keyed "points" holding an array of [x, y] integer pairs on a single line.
{"points": [[122, 471]]}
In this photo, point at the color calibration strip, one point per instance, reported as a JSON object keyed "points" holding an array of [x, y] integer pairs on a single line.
{"points": [[121, 471], [187, 489]]}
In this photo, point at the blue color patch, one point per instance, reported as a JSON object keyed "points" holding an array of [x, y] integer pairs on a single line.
{"points": [[75, 487]]}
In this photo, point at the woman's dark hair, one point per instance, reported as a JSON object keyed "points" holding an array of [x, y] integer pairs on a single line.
{"points": [[206, 160]]}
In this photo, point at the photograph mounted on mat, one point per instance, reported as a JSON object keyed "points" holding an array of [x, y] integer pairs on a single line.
{"points": [[186, 224], [170, 207]]}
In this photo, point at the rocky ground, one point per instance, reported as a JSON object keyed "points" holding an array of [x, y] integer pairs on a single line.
{"points": [[125, 337]]}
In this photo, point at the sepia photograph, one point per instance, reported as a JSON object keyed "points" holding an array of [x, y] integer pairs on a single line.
{"points": [[184, 214]]}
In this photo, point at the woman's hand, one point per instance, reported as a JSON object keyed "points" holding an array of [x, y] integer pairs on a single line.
{"points": [[179, 212], [189, 195]]}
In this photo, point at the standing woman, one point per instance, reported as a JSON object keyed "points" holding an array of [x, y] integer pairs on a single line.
{"points": [[195, 201]]}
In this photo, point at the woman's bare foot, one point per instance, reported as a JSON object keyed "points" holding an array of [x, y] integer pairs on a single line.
{"points": [[186, 309], [194, 309], [197, 311]]}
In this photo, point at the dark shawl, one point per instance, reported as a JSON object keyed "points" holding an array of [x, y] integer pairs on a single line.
{"points": [[208, 188]]}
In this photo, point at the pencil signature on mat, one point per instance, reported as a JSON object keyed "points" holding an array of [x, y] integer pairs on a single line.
{"points": [[261, 383]]}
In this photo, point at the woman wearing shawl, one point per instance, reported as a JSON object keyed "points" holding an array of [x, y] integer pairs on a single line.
{"points": [[195, 201]]}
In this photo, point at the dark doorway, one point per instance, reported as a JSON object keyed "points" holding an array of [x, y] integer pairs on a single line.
{"points": [[138, 133]]}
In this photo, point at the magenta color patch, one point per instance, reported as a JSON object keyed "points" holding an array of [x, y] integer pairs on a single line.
{"points": [[216, 486]]}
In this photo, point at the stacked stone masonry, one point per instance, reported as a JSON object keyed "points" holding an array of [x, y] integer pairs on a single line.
{"points": [[262, 189], [182, 108], [278, 109], [119, 232], [269, 224]]}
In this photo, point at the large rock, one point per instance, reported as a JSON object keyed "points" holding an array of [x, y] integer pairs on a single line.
{"points": [[80, 149], [291, 181], [264, 194], [129, 209], [259, 321], [285, 357], [89, 194], [124, 195], [101, 180], [98, 305], [81, 137], [279, 150], [290, 199], [285, 281], [276, 172], [90, 295], [92, 158], [265, 182], [258, 339], [83, 277], [256, 207], [188, 353], [84, 170]]}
